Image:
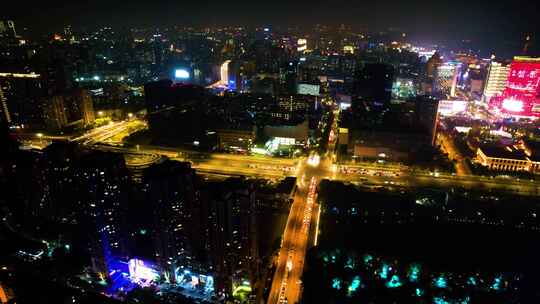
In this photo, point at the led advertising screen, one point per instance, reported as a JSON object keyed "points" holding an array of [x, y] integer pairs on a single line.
{"points": [[452, 107], [524, 78], [181, 74], [308, 89], [141, 272], [521, 95]]}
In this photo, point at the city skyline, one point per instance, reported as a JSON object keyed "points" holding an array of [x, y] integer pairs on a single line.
{"points": [[439, 22], [392, 156]]}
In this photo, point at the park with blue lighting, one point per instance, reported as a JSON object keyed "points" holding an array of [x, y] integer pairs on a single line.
{"points": [[351, 276]]}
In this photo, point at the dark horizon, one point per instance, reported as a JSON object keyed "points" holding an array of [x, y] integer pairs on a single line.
{"points": [[443, 19], [492, 27]]}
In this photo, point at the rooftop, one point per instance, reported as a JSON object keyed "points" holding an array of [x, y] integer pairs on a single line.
{"points": [[507, 152], [526, 59]]}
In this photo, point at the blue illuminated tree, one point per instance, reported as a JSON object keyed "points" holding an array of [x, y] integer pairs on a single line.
{"points": [[394, 282], [355, 284]]}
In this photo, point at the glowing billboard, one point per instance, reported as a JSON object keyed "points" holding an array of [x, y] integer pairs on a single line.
{"points": [[521, 94], [188, 279], [452, 107], [181, 74], [524, 78], [308, 89], [141, 273]]}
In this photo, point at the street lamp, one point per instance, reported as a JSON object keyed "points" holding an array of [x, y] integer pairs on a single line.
{"points": [[130, 115], [100, 113], [39, 135]]}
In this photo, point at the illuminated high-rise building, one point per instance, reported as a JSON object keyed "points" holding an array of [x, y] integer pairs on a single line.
{"points": [[101, 183], [427, 114], [433, 63], [224, 73], [232, 232], [86, 106], [170, 191], [348, 49], [475, 77], [91, 189], [21, 100], [521, 96], [7, 28], [55, 113], [59, 110], [496, 79], [446, 79], [68, 34], [301, 45], [59, 161]]}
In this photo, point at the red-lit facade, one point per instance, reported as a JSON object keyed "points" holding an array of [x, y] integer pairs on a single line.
{"points": [[521, 97]]}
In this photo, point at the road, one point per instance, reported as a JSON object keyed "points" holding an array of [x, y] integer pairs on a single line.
{"points": [[111, 133], [268, 167], [442, 181], [286, 284], [447, 144]]}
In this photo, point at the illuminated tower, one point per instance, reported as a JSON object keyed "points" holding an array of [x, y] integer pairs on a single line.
{"points": [[224, 73], [526, 45], [432, 64]]}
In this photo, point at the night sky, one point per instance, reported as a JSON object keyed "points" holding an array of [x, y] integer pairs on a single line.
{"points": [[430, 20]]}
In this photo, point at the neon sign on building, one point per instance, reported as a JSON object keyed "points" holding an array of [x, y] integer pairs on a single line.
{"points": [[521, 97], [142, 273]]}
